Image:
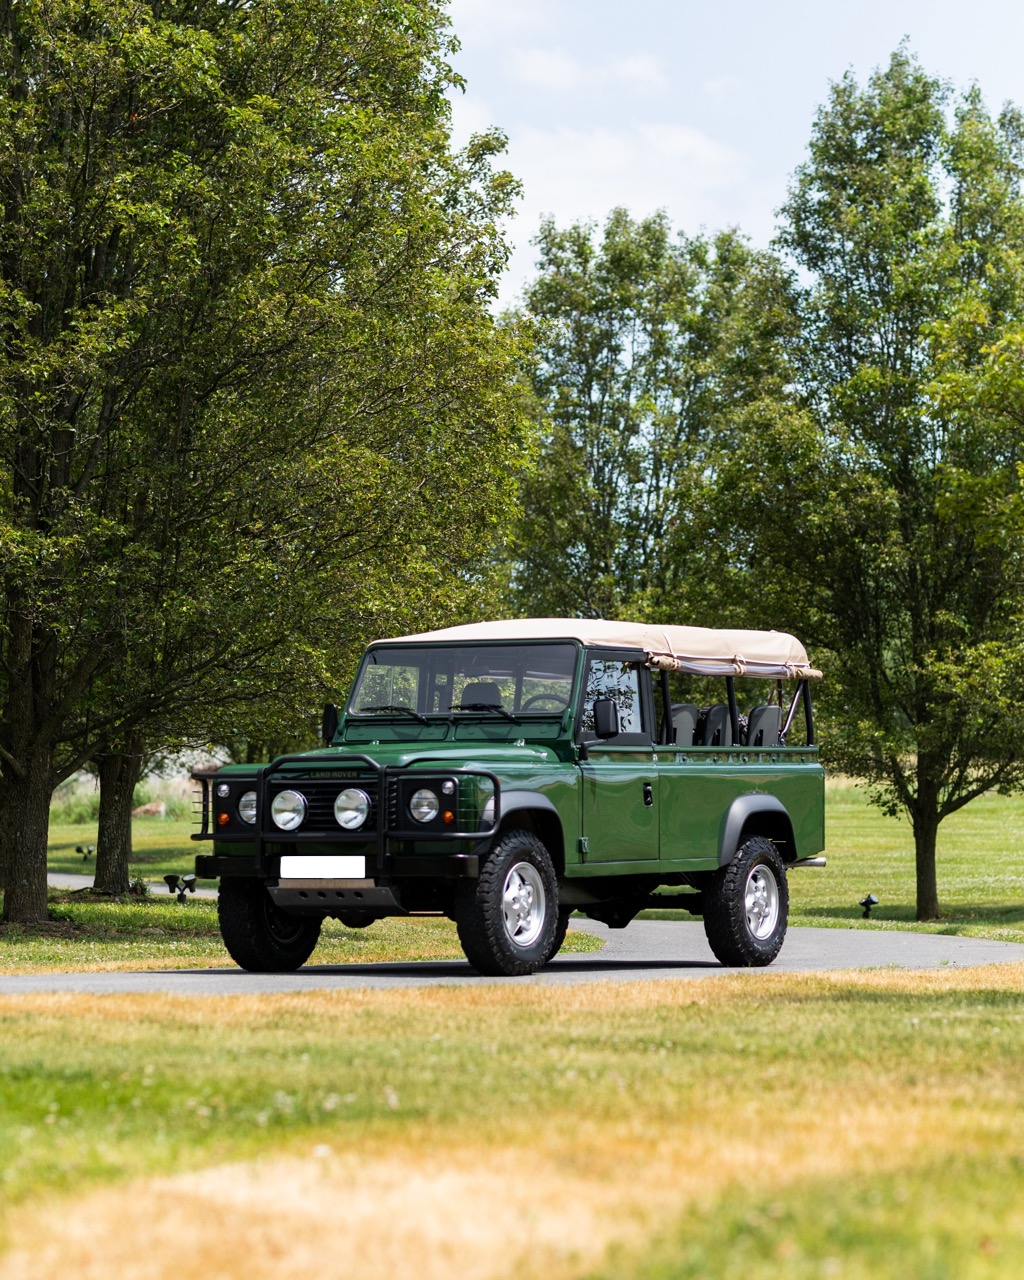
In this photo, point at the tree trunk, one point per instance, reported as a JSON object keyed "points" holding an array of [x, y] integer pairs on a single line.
{"points": [[926, 830], [119, 772], [24, 828]]}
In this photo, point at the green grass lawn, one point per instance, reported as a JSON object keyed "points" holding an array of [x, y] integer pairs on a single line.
{"points": [[867, 1126], [160, 846], [774, 1125], [159, 933], [980, 868]]}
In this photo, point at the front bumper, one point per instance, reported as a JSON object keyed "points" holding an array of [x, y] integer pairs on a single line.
{"points": [[390, 846], [456, 866], [336, 895]]}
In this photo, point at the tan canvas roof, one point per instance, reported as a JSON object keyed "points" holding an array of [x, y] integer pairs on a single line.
{"points": [[697, 650]]}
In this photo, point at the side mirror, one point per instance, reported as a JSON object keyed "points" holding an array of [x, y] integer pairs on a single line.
{"points": [[606, 718], [329, 724]]}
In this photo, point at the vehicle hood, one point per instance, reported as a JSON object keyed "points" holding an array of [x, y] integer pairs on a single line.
{"points": [[447, 754], [452, 755]]}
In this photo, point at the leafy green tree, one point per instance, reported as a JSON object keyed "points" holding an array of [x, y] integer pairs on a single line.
{"points": [[874, 511], [654, 348], [253, 406]]}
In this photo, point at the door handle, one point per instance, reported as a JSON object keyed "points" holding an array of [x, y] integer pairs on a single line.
{"points": [[648, 794]]}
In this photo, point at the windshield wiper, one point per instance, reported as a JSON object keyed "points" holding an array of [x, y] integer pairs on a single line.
{"points": [[487, 706], [387, 706]]}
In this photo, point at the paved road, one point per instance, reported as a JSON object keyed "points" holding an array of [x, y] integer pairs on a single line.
{"points": [[69, 880], [646, 950]]}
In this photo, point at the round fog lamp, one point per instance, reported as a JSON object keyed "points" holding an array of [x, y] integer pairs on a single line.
{"points": [[288, 810], [351, 808], [247, 807], [424, 806], [223, 790]]}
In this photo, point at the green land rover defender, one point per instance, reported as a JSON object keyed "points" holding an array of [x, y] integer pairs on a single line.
{"points": [[507, 774]]}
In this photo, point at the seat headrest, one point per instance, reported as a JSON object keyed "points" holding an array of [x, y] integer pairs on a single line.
{"points": [[484, 693]]}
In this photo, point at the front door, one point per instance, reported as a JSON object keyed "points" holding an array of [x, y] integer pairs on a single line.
{"points": [[619, 776]]}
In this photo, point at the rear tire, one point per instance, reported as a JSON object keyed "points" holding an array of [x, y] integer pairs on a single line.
{"points": [[356, 919], [259, 936], [508, 918], [746, 907]]}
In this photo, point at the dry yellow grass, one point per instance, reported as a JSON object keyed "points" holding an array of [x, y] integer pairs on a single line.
{"points": [[536, 1207], [591, 996], [536, 1193]]}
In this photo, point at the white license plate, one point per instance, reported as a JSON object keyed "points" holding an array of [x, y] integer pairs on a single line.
{"points": [[339, 866]]}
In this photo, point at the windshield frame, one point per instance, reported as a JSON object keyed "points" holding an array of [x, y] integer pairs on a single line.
{"points": [[455, 715]]}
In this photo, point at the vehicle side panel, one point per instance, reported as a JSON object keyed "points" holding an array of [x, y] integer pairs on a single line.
{"points": [[557, 783], [699, 785], [620, 814]]}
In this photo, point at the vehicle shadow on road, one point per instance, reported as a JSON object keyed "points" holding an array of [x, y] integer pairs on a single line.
{"points": [[461, 969]]}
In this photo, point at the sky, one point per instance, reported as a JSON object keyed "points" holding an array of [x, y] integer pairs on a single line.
{"points": [[701, 109]]}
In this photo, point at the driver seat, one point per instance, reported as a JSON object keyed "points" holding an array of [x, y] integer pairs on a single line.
{"points": [[484, 693]]}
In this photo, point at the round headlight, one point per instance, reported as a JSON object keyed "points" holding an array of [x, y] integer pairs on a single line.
{"points": [[424, 806], [288, 810], [351, 808], [247, 807]]}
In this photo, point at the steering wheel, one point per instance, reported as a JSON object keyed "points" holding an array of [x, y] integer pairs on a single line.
{"points": [[546, 697]]}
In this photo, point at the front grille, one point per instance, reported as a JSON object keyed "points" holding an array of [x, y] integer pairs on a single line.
{"points": [[389, 792], [320, 796]]}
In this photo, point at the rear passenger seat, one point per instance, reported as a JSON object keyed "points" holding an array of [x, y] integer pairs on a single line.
{"points": [[714, 727], [684, 723], [764, 726]]}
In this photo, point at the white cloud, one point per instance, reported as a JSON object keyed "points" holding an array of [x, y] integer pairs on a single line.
{"points": [[576, 173], [554, 71], [642, 73], [646, 167], [549, 69], [485, 22], [722, 90], [470, 114]]}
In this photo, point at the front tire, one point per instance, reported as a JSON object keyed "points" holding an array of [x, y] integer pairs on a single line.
{"points": [[508, 919], [561, 929], [747, 906], [259, 936]]}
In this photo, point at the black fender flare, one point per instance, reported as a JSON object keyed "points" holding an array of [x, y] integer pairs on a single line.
{"points": [[777, 826], [511, 802]]}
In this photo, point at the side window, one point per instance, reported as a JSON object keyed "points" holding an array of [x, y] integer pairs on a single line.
{"points": [[620, 681], [393, 684]]}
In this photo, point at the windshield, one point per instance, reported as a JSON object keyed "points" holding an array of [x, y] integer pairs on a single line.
{"points": [[498, 680]]}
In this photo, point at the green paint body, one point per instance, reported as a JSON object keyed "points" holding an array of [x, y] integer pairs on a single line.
{"points": [[635, 814]]}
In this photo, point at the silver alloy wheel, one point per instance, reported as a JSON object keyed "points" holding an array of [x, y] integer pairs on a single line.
{"points": [[761, 901], [524, 904]]}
